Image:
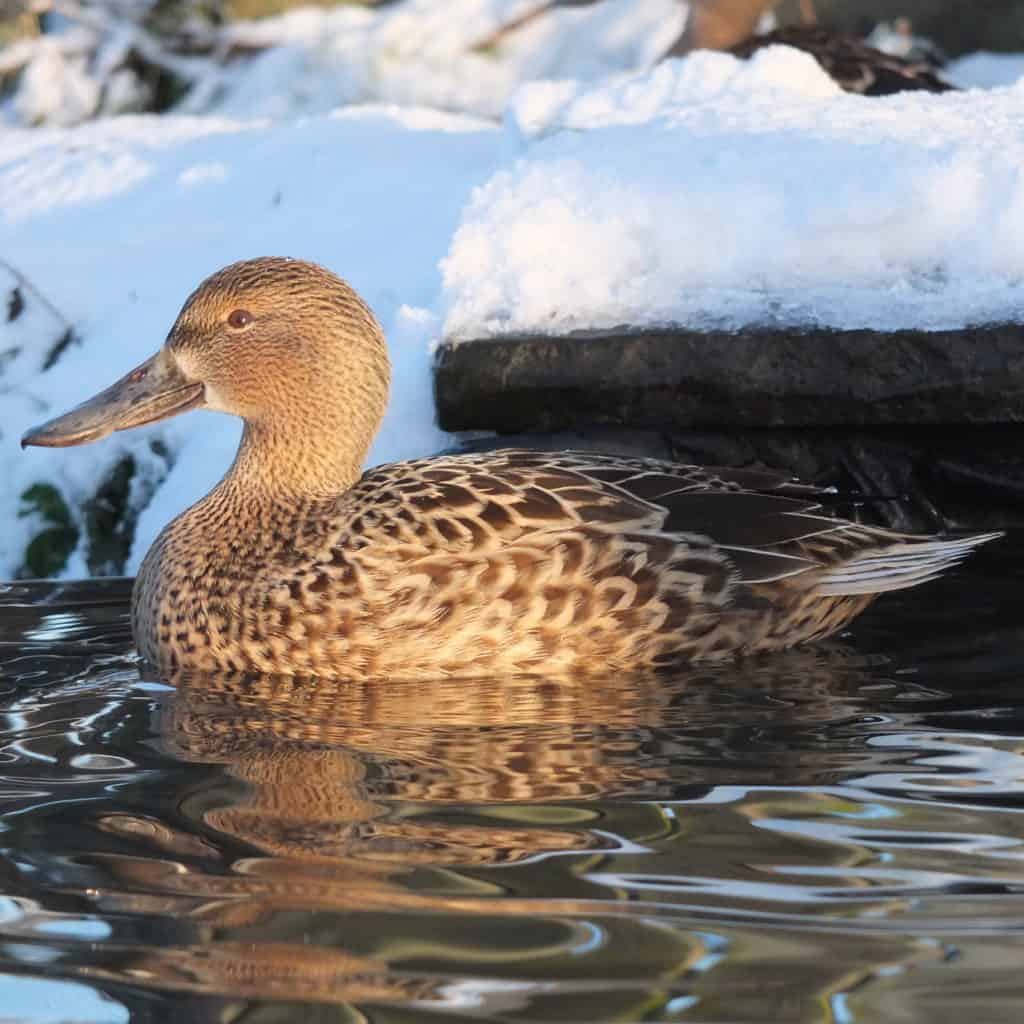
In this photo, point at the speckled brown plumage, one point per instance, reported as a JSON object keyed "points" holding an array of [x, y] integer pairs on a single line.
{"points": [[855, 66], [508, 561], [505, 562], [731, 25]]}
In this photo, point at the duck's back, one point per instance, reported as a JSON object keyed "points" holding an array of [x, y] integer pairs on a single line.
{"points": [[508, 562]]}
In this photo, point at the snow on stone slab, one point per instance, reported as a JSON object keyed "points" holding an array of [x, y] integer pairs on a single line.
{"points": [[711, 192], [117, 221]]}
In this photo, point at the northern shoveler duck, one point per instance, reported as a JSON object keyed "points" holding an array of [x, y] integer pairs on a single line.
{"points": [[504, 562], [852, 63]]}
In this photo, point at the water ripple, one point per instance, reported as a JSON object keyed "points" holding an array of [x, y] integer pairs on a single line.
{"points": [[831, 835]]}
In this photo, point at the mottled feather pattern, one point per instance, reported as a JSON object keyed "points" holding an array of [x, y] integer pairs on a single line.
{"points": [[500, 563], [852, 63], [508, 561]]}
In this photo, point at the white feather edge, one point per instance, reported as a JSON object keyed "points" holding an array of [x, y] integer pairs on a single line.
{"points": [[898, 566]]}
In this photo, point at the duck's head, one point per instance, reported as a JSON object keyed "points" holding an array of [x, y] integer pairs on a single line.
{"points": [[284, 344]]}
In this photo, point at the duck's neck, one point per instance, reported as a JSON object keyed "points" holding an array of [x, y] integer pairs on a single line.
{"points": [[292, 467], [308, 443]]}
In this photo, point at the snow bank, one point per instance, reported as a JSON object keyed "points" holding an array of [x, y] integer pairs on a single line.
{"points": [[424, 52], [116, 222], [983, 70], [415, 52], [713, 192]]}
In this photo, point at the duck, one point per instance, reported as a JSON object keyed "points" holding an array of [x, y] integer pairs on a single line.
{"points": [[852, 63], [510, 562]]}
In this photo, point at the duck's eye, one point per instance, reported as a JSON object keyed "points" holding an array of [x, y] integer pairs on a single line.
{"points": [[239, 318]]}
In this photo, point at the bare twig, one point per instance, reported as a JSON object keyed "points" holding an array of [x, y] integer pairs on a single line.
{"points": [[145, 44], [498, 35], [16, 56], [25, 283]]}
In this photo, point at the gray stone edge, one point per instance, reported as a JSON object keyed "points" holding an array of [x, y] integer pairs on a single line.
{"points": [[760, 376]]}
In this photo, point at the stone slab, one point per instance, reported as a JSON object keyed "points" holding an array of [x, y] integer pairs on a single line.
{"points": [[761, 377]]}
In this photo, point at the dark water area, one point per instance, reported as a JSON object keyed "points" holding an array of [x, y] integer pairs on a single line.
{"points": [[832, 835]]}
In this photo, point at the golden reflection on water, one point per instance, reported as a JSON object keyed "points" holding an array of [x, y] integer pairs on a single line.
{"points": [[816, 837], [324, 763], [766, 841], [376, 810]]}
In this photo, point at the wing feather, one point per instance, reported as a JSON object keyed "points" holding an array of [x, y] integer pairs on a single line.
{"points": [[761, 526]]}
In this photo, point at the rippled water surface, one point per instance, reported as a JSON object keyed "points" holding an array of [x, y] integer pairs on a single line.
{"points": [[831, 835]]}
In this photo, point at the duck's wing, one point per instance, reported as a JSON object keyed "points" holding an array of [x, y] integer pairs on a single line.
{"points": [[746, 526], [755, 517], [774, 528], [855, 66], [486, 501]]}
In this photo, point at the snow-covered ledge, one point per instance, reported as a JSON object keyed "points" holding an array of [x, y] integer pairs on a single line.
{"points": [[780, 253]]}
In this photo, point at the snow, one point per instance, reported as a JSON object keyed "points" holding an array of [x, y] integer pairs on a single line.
{"points": [[713, 192], [564, 181], [415, 53], [51, 1000], [424, 53], [56, 86], [985, 70]]}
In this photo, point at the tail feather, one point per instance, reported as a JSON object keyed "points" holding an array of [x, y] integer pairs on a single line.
{"points": [[897, 566]]}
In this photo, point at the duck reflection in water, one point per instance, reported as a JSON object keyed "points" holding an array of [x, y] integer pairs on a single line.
{"points": [[401, 827]]}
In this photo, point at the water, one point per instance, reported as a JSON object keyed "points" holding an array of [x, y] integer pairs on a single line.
{"points": [[833, 835]]}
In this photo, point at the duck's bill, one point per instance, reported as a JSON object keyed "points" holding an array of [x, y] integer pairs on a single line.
{"points": [[153, 391]]}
